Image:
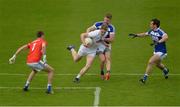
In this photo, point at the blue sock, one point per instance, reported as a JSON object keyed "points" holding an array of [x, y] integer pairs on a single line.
{"points": [[49, 87], [145, 77]]}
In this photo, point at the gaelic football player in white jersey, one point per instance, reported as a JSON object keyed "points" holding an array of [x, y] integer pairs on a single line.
{"points": [[88, 50]]}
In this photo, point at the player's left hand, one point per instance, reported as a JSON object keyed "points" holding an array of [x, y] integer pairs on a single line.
{"points": [[87, 46], [12, 59]]}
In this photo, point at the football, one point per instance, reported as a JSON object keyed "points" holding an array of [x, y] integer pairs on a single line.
{"points": [[88, 41]]}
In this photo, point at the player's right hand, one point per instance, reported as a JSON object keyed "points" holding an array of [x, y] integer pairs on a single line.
{"points": [[12, 59], [86, 45]]}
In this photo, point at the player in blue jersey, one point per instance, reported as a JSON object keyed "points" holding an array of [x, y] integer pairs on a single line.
{"points": [[159, 38], [105, 54]]}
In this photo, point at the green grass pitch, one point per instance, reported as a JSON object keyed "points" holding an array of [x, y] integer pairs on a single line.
{"points": [[63, 21]]}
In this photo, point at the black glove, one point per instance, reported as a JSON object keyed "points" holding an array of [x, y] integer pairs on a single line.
{"points": [[133, 35]]}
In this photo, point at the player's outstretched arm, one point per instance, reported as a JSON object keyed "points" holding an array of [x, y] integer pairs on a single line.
{"points": [[13, 58], [141, 34], [137, 35], [21, 49]]}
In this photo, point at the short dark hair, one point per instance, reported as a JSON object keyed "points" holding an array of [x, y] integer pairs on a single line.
{"points": [[156, 22], [108, 15], [40, 33], [104, 26]]}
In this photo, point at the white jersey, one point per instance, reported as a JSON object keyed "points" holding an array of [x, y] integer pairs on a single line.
{"points": [[96, 37]]}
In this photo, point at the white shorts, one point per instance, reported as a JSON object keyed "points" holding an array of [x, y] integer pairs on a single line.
{"points": [[83, 51], [37, 66], [101, 48], [162, 55]]}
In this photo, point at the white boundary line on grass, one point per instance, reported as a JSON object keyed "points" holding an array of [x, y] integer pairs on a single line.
{"points": [[97, 89], [97, 96], [96, 92], [90, 74]]}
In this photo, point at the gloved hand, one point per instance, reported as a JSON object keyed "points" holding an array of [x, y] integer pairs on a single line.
{"points": [[12, 59]]}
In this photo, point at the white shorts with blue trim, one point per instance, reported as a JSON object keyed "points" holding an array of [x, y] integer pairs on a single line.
{"points": [[84, 51], [101, 48], [37, 66], [161, 54]]}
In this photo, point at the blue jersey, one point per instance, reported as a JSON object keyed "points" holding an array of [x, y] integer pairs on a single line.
{"points": [[156, 36], [111, 28]]}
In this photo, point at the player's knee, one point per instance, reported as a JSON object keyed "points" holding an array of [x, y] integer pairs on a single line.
{"points": [[151, 63], [51, 70], [108, 60], [34, 71], [76, 60], [103, 60], [157, 65]]}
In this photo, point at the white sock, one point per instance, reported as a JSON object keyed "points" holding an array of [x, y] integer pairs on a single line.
{"points": [[78, 76], [27, 83], [165, 69], [48, 85], [146, 74]]}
